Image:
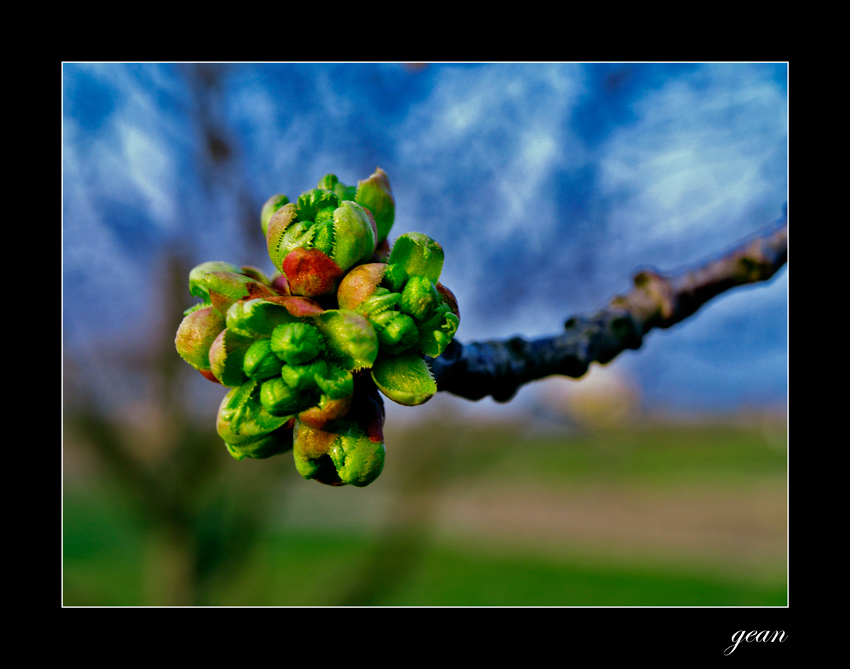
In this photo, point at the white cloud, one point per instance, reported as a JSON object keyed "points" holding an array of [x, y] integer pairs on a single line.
{"points": [[149, 168], [698, 156]]}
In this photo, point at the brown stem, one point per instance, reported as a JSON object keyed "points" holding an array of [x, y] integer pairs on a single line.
{"points": [[500, 367]]}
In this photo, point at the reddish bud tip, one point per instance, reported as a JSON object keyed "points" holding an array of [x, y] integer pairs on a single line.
{"points": [[311, 273], [207, 374]]}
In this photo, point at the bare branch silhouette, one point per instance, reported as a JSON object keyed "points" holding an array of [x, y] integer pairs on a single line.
{"points": [[500, 367]]}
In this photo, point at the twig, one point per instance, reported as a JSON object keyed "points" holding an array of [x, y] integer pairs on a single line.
{"points": [[500, 367]]}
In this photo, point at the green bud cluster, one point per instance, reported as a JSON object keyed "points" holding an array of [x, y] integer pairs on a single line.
{"points": [[408, 312], [295, 376], [308, 354], [413, 314]]}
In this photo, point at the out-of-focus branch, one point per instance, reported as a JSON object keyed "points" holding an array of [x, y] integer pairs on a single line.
{"points": [[500, 367]]}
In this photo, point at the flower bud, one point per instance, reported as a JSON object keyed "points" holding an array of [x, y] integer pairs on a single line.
{"points": [[302, 378], [258, 317], [419, 298], [197, 285], [327, 411], [396, 332], [310, 272], [195, 336], [380, 302], [357, 459], [296, 343], [227, 356], [264, 446], [355, 234], [403, 299], [376, 195], [404, 378], [360, 284], [260, 362], [373, 194], [330, 236], [332, 183], [335, 382], [418, 254], [350, 339], [280, 399], [310, 449], [437, 333], [248, 429], [349, 451], [271, 205], [227, 288]]}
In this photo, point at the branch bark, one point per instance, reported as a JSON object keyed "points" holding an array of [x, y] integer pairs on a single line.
{"points": [[501, 367]]}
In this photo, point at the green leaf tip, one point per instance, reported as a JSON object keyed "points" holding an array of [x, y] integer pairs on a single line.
{"points": [[351, 339], [373, 193], [258, 316], [376, 195], [197, 283], [417, 253], [195, 336], [297, 343], [248, 429], [404, 378], [271, 205]]}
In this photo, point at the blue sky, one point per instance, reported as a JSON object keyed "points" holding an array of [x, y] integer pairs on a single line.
{"points": [[548, 185]]}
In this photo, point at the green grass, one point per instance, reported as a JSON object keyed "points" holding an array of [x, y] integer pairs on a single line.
{"points": [[650, 454], [454, 577], [110, 549], [314, 569], [103, 553]]}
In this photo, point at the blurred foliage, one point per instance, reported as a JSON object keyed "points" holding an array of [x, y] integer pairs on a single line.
{"points": [[465, 514]]}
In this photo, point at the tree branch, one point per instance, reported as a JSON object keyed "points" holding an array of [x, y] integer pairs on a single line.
{"points": [[500, 367]]}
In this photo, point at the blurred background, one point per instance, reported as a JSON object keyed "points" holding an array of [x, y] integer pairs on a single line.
{"points": [[658, 479]]}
